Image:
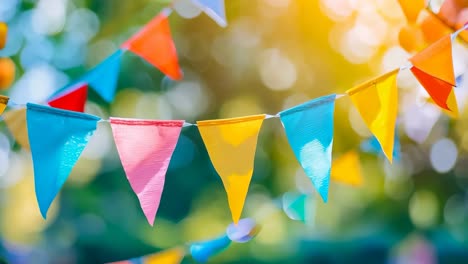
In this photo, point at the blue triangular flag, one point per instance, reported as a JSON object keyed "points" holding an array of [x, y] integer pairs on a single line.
{"points": [[57, 138], [202, 251], [309, 128], [103, 78], [214, 9]]}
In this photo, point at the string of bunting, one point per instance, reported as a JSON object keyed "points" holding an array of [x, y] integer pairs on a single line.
{"points": [[145, 147]]}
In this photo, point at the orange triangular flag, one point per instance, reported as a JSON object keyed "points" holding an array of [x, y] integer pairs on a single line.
{"points": [[154, 44], [347, 169], [437, 89], [16, 123], [436, 60]]}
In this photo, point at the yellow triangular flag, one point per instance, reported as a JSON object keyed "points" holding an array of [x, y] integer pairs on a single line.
{"points": [[16, 123], [231, 145], [347, 169], [171, 256], [377, 102], [451, 103], [3, 103]]}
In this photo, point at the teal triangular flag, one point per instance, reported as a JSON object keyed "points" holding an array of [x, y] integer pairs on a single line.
{"points": [[103, 78], [57, 138], [309, 128], [214, 9]]}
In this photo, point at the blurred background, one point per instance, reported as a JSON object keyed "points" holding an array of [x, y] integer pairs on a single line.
{"points": [[273, 55]]}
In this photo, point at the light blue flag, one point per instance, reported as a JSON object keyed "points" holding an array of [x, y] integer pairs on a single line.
{"points": [[214, 9], [57, 138], [309, 128], [203, 251], [103, 78]]}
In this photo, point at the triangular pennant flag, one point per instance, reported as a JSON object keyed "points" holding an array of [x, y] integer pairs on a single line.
{"points": [[203, 251], [377, 102], [433, 67], [438, 90], [412, 8], [231, 145], [154, 44], [57, 138], [295, 206], [3, 103], [103, 78], [74, 100], [16, 122], [214, 9], [145, 148], [347, 169], [309, 129], [171, 256]]}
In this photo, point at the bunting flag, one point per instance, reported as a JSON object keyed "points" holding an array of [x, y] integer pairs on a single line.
{"points": [[231, 145], [347, 169], [73, 100], [104, 77], [377, 102], [295, 206], [145, 148], [3, 103], [309, 129], [154, 44], [202, 251], [15, 121], [214, 9], [3, 34], [57, 138], [433, 67]]}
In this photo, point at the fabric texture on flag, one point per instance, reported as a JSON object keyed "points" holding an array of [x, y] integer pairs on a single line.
{"points": [[154, 44], [104, 77], [309, 129], [377, 102], [145, 148], [231, 145], [15, 121], [433, 67], [74, 100], [214, 9], [57, 138], [204, 250], [3, 103], [347, 169]]}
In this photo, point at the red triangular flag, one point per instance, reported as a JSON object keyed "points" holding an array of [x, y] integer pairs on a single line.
{"points": [[437, 89], [73, 101], [145, 148], [154, 43]]}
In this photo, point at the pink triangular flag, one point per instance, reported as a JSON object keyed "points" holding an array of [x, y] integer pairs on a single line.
{"points": [[145, 148]]}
